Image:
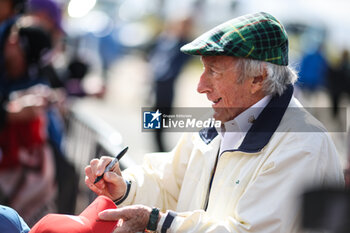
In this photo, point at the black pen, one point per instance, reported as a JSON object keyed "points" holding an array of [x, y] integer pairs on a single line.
{"points": [[111, 164]]}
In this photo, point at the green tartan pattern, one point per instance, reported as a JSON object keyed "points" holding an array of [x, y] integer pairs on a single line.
{"points": [[257, 36]]}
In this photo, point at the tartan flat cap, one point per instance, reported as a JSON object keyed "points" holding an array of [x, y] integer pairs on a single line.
{"points": [[258, 36]]}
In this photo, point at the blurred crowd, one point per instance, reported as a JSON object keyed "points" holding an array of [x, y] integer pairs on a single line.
{"points": [[36, 177], [35, 174], [318, 72]]}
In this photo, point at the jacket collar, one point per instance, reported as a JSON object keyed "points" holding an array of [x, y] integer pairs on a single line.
{"points": [[264, 126]]}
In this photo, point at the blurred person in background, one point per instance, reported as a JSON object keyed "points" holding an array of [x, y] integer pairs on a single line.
{"points": [[48, 14], [339, 81], [29, 108], [314, 70], [26, 166], [110, 50], [245, 176], [11, 8], [167, 61]]}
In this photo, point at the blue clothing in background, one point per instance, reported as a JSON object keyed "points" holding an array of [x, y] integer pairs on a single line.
{"points": [[11, 222], [166, 59], [167, 62], [30, 79], [313, 70]]}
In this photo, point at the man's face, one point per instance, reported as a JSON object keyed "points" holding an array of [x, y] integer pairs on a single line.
{"points": [[219, 83]]}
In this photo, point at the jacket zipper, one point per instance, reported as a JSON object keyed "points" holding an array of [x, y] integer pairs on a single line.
{"points": [[211, 182]]}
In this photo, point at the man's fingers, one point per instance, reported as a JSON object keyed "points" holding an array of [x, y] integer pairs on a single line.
{"points": [[92, 186], [112, 177], [92, 177], [102, 164], [116, 169], [88, 173], [111, 180], [110, 215], [93, 165]]}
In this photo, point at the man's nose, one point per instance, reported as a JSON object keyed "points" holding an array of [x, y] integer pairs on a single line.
{"points": [[203, 86]]}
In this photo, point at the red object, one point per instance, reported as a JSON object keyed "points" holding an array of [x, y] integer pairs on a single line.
{"points": [[86, 222], [25, 135]]}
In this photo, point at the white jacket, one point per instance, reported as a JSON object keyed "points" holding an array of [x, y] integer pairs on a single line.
{"points": [[255, 188]]}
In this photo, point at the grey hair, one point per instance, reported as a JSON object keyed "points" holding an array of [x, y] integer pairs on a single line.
{"points": [[278, 77]]}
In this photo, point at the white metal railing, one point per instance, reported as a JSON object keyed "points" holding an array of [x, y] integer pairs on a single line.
{"points": [[90, 137]]}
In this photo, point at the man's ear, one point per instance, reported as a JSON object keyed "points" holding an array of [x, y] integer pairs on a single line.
{"points": [[257, 82]]}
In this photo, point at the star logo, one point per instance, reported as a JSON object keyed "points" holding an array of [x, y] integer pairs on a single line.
{"points": [[156, 115], [151, 120]]}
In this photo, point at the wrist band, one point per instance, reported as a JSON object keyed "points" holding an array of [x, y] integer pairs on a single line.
{"points": [[153, 220], [168, 221], [120, 200]]}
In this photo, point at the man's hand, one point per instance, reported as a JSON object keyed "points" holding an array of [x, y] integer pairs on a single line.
{"points": [[134, 218], [112, 185]]}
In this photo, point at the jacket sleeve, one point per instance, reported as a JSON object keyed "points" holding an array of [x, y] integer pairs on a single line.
{"points": [[158, 181], [270, 202]]}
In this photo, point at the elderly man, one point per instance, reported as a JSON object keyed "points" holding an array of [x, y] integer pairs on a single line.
{"points": [[247, 177]]}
